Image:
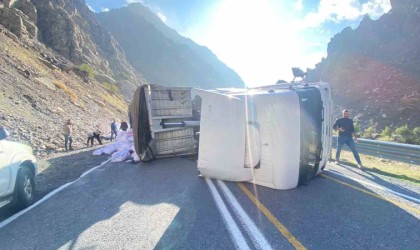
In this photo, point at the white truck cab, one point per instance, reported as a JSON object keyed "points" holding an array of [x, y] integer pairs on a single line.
{"points": [[18, 168]]}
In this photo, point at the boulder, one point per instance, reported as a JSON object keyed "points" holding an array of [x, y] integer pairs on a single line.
{"points": [[12, 21], [18, 22], [28, 9], [9, 3]]}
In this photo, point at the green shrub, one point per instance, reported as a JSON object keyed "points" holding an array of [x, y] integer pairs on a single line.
{"points": [[404, 134], [122, 76], [416, 135], [357, 128], [369, 132], [386, 134], [87, 68], [111, 87]]}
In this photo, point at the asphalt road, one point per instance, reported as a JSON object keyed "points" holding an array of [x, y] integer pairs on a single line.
{"points": [[165, 205]]}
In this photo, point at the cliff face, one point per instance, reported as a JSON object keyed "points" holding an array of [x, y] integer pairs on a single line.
{"points": [[161, 54], [43, 42], [19, 17], [135, 43], [36, 97], [40, 83], [375, 69], [71, 29]]}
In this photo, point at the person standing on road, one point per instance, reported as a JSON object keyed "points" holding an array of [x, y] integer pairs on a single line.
{"points": [[113, 129], [67, 132], [345, 128]]}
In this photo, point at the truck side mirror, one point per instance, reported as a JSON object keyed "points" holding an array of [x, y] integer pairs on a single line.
{"points": [[297, 72], [3, 134]]}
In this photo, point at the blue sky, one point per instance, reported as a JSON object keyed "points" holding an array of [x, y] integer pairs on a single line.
{"points": [[260, 39]]}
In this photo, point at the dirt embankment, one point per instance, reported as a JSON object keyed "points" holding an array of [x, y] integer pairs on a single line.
{"points": [[36, 98]]}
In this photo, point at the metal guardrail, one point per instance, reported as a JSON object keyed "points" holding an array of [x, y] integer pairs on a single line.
{"points": [[388, 150]]}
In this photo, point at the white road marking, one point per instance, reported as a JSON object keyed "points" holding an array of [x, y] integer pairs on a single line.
{"points": [[376, 186], [238, 238], [46, 197], [257, 237]]}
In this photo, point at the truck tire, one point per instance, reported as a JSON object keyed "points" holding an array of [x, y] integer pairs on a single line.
{"points": [[25, 188]]}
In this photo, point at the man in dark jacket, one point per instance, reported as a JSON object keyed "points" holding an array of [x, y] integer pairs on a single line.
{"points": [[113, 129], [124, 126], [94, 135], [346, 132]]}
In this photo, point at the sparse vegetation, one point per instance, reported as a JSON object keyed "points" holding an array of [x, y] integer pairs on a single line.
{"points": [[88, 69], [386, 134], [357, 128], [416, 135], [123, 76], [401, 134], [404, 134], [395, 169], [111, 87], [369, 133], [115, 101], [66, 89]]}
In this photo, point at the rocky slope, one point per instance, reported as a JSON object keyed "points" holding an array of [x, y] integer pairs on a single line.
{"points": [[161, 54], [72, 31], [36, 97], [374, 70], [43, 45]]}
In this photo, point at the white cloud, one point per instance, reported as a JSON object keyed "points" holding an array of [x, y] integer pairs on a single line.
{"points": [[91, 9], [340, 10], [103, 9], [299, 5], [376, 8], [133, 1], [162, 16]]}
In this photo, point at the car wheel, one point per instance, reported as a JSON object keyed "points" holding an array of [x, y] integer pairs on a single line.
{"points": [[25, 187]]}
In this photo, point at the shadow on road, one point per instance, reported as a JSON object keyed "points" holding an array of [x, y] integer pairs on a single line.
{"points": [[378, 180], [164, 205], [399, 176], [168, 192], [57, 171], [327, 215]]}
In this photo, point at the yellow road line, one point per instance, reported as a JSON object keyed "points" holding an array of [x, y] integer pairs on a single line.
{"points": [[396, 203], [283, 230]]}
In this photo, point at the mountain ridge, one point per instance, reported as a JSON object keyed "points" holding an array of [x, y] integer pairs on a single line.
{"points": [[175, 61], [374, 69]]}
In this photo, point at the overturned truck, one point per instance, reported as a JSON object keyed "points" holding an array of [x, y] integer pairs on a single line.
{"points": [[276, 136]]}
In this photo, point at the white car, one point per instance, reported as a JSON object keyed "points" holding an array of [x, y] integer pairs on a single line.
{"points": [[18, 169]]}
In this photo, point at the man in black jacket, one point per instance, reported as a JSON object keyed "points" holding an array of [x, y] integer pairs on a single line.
{"points": [[94, 135], [346, 132]]}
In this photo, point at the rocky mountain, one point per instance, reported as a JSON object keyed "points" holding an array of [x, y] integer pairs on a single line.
{"points": [[40, 88], [58, 62], [374, 69], [72, 31], [161, 54]]}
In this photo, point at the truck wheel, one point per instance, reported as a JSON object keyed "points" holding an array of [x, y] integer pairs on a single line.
{"points": [[25, 187]]}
